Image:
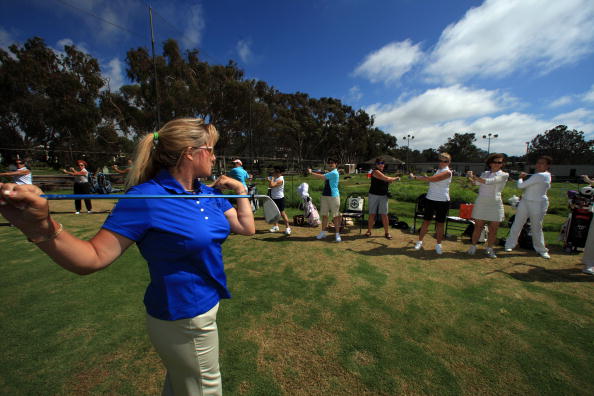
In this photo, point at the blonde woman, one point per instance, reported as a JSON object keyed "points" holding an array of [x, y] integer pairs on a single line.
{"points": [[180, 239], [488, 207]]}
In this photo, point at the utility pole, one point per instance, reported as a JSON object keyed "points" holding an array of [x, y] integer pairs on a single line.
{"points": [[157, 99], [408, 138]]}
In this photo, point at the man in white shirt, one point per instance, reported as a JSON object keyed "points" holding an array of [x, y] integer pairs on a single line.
{"points": [[534, 205], [22, 174]]}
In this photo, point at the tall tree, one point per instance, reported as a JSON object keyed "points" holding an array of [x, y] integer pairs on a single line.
{"points": [[564, 145], [462, 148]]}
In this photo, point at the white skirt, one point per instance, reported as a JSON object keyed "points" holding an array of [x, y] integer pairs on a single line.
{"points": [[488, 210]]}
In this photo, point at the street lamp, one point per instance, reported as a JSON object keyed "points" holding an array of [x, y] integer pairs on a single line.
{"points": [[408, 138], [489, 137]]}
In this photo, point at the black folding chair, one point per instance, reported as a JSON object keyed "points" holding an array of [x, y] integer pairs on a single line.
{"points": [[419, 210], [354, 206], [456, 222]]}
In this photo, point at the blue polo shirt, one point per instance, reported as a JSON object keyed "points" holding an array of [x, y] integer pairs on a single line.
{"points": [[181, 240], [331, 184], [239, 174]]}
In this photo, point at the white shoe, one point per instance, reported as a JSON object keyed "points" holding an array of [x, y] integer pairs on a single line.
{"points": [[338, 238], [588, 270], [438, 249], [419, 245], [545, 255], [471, 250], [490, 253], [89, 211], [76, 212], [288, 231], [274, 229], [321, 235], [508, 250]]}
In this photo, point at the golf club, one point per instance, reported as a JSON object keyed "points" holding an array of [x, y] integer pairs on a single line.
{"points": [[271, 212]]}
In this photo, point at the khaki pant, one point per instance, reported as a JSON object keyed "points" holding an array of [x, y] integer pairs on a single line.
{"points": [[329, 206], [189, 349]]}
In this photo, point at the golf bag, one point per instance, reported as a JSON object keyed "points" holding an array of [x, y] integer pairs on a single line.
{"points": [[253, 190], [525, 238], [102, 184], [574, 232], [310, 213]]}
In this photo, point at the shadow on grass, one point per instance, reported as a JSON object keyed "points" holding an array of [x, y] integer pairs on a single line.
{"points": [[537, 273]]}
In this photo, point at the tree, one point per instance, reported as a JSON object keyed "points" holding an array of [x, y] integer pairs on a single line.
{"points": [[563, 145], [462, 148]]}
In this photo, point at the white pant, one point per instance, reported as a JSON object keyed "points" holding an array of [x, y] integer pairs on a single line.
{"points": [[190, 351], [535, 210], [588, 258]]}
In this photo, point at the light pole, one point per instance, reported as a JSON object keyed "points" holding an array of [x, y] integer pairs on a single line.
{"points": [[408, 138], [490, 136]]}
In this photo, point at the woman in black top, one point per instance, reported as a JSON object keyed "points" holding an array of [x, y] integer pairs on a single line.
{"points": [[378, 197]]}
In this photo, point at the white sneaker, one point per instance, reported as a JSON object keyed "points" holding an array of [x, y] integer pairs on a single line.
{"points": [[438, 249], [321, 235], [288, 231], [89, 211], [274, 229], [508, 250], [419, 245], [76, 212], [338, 238], [471, 250], [588, 270], [490, 253], [545, 255]]}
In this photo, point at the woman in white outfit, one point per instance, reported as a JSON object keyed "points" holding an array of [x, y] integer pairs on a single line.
{"points": [[437, 201], [488, 207], [534, 205], [588, 258], [21, 174]]}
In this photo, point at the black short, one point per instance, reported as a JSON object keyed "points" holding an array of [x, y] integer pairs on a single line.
{"points": [[437, 208], [280, 203]]}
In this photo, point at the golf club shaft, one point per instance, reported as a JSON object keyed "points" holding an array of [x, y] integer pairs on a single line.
{"points": [[53, 197]]}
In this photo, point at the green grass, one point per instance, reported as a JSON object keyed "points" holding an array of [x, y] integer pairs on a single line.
{"points": [[365, 317]]}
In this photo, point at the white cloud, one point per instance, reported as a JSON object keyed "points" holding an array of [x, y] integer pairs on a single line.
{"points": [[390, 62], [113, 72], [6, 39], [562, 101], [66, 41], [244, 50], [589, 96], [438, 113], [503, 36], [194, 27], [355, 94]]}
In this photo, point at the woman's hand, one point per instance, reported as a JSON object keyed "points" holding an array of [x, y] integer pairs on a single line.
{"points": [[228, 183], [23, 207], [523, 175]]}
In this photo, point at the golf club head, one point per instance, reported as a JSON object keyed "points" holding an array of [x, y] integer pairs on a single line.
{"points": [[271, 212]]}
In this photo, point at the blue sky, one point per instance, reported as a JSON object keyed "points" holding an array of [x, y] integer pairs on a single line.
{"points": [[429, 68]]}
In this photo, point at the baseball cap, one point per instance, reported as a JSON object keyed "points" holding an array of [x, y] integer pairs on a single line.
{"points": [[237, 161]]}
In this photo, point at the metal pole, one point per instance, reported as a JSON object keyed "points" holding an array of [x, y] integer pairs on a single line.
{"points": [[157, 99]]}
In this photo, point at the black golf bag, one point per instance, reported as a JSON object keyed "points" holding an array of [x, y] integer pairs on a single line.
{"points": [[574, 232], [525, 238]]}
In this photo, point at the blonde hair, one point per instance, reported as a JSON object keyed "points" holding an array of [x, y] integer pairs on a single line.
{"points": [[163, 149], [445, 156]]}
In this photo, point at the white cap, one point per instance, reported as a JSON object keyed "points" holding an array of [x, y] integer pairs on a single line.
{"points": [[237, 161]]}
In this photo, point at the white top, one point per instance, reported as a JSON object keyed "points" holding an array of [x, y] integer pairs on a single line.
{"points": [[494, 184], [536, 187], [278, 192], [440, 190], [82, 178], [23, 179]]}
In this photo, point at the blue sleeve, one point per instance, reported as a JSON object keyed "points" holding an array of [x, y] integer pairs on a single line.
{"points": [[222, 203], [233, 173], [129, 218]]}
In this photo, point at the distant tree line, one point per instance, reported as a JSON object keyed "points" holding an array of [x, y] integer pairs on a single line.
{"points": [[59, 102]]}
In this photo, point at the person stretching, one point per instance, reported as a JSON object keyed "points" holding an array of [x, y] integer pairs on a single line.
{"points": [[437, 201], [534, 205], [330, 200], [378, 197], [276, 182]]}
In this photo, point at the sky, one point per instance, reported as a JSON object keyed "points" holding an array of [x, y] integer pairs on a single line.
{"points": [[425, 68]]}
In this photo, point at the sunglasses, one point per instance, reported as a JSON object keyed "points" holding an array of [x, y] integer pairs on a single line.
{"points": [[209, 148], [444, 161], [497, 162], [380, 163]]}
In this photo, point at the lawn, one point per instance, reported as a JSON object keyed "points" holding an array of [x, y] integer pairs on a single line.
{"points": [[365, 317]]}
